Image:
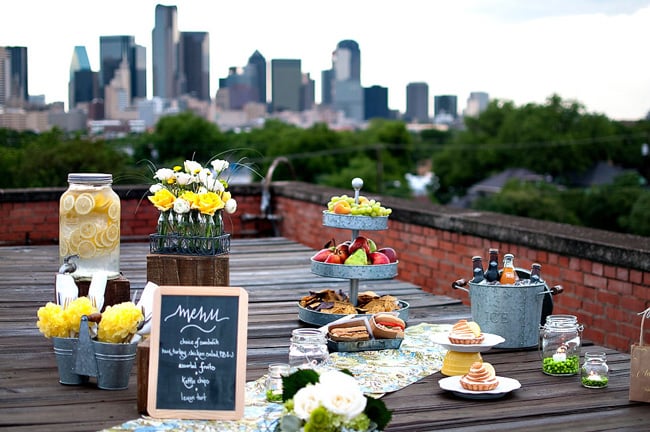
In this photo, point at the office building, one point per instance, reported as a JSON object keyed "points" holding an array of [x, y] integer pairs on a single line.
{"points": [[477, 102], [307, 93], [347, 94], [112, 51], [195, 64], [257, 66], [5, 75], [165, 40], [445, 105], [327, 76], [286, 82], [375, 102], [18, 75], [83, 82], [417, 102]]}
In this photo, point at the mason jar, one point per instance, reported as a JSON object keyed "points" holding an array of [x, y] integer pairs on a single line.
{"points": [[274, 384], [89, 225], [308, 349], [595, 372], [561, 341]]}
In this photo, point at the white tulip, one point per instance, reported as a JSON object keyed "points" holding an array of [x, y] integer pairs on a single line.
{"points": [[155, 188], [220, 165], [192, 167], [164, 174]]}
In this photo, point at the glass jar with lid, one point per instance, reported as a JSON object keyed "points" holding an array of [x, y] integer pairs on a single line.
{"points": [[595, 372], [561, 341], [89, 226], [308, 349]]}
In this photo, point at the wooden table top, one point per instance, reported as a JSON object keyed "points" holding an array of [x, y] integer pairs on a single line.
{"points": [[276, 273]]}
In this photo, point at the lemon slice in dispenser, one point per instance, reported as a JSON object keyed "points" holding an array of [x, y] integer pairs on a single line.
{"points": [[67, 203], [114, 211], [88, 230], [84, 203], [87, 249]]}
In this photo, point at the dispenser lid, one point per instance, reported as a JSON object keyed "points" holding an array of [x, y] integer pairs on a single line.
{"points": [[90, 178]]}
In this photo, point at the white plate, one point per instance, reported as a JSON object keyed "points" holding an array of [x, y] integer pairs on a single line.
{"points": [[506, 385], [489, 341]]}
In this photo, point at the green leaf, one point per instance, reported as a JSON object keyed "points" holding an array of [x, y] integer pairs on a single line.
{"points": [[297, 380], [377, 412]]}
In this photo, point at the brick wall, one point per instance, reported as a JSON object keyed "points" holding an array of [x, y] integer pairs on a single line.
{"points": [[606, 276]]}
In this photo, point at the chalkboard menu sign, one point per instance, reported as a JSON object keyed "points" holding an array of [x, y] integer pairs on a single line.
{"points": [[197, 359]]}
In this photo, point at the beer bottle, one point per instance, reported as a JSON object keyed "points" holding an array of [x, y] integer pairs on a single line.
{"points": [[492, 273], [536, 273], [477, 264], [508, 273]]}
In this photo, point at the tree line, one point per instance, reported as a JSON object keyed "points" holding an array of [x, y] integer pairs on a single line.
{"points": [[558, 139]]}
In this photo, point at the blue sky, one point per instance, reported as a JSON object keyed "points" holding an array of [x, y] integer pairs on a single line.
{"points": [[591, 51]]}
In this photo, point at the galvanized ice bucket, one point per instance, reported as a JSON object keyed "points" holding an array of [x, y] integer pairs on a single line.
{"points": [[513, 312]]}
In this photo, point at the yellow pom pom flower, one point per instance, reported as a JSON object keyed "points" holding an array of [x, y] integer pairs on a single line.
{"points": [[51, 321], [75, 310], [119, 323]]}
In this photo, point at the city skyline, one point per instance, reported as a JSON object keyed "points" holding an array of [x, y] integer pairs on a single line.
{"points": [[587, 50]]}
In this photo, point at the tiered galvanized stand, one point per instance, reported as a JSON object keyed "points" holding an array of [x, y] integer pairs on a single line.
{"points": [[352, 272]]}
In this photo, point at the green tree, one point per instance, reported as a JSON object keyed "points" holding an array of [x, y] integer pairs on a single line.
{"points": [[186, 136]]}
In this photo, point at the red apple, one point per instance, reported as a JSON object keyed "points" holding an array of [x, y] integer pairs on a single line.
{"points": [[359, 243], [377, 258], [343, 249], [322, 254], [333, 258], [389, 252]]}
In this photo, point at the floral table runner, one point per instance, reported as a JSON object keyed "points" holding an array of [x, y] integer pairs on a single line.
{"points": [[378, 372]]}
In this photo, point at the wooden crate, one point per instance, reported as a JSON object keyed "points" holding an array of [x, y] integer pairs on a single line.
{"points": [[188, 270], [117, 291], [184, 270]]}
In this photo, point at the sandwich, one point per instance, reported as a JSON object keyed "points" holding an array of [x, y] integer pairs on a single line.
{"points": [[349, 334], [386, 325]]}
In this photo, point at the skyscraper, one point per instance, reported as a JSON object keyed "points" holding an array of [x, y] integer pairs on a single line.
{"points": [[286, 82], [112, 51], [347, 94], [165, 38], [5, 75], [257, 63], [18, 75], [327, 76], [307, 92], [445, 104], [417, 102], [375, 102], [82, 85], [195, 64], [477, 102]]}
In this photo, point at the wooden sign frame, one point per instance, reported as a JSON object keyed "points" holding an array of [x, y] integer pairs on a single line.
{"points": [[215, 308]]}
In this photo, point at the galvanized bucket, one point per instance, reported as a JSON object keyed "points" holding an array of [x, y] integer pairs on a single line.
{"points": [[114, 364], [511, 311], [64, 349]]}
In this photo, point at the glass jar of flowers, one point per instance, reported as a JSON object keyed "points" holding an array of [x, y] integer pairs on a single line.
{"points": [[191, 199]]}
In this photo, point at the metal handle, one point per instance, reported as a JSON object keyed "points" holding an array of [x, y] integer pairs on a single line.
{"points": [[460, 284]]}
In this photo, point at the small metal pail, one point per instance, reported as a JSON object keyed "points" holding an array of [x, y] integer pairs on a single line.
{"points": [[513, 312], [64, 350], [114, 364]]}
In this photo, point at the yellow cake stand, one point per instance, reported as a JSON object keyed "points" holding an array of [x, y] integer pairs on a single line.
{"points": [[459, 358]]}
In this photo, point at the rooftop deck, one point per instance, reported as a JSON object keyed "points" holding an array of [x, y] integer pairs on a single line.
{"points": [[275, 272]]}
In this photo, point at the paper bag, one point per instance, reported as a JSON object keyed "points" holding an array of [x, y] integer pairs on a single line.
{"points": [[640, 367]]}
